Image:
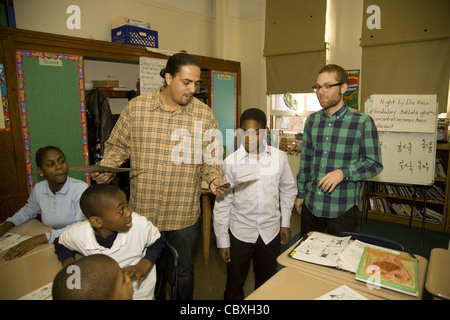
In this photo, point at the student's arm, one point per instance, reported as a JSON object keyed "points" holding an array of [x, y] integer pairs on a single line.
{"points": [[288, 194], [4, 228], [139, 270], [65, 255], [20, 249], [221, 221], [154, 251]]}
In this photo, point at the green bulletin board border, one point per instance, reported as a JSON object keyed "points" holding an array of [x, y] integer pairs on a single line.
{"points": [[20, 54]]}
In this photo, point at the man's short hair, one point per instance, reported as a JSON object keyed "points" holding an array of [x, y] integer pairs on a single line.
{"points": [[341, 74]]}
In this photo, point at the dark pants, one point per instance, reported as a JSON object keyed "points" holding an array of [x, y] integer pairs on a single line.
{"points": [[345, 222], [264, 264], [185, 242]]}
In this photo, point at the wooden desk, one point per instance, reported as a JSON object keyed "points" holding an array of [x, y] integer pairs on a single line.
{"points": [[348, 278], [207, 197], [33, 270], [293, 284], [438, 278]]}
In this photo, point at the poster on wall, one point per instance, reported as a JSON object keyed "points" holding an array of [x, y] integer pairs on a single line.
{"points": [[4, 111], [352, 94]]}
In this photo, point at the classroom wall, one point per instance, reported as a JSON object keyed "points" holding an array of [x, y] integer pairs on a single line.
{"points": [[189, 25]]}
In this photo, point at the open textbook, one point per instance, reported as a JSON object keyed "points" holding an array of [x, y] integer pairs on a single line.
{"points": [[383, 269], [332, 251]]}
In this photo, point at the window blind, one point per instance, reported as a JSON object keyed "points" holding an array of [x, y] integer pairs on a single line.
{"points": [[410, 53], [294, 44]]}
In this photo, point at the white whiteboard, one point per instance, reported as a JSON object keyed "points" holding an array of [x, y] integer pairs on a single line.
{"points": [[149, 69], [403, 113], [408, 157]]}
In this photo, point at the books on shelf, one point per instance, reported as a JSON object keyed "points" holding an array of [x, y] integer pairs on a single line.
{"points": [[442, 129], [383, 269], [385, 205]]}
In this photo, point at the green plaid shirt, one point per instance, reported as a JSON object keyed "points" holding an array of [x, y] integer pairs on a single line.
{"points": [[348, 140]]}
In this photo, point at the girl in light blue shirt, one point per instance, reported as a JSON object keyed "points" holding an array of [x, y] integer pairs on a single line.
{"points": [[56, 199]]}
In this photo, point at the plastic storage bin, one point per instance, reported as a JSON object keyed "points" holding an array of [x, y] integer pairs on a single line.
{"points": [[127, 34]]}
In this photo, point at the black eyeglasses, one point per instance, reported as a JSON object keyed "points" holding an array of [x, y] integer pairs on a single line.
{"points": [[326, 87]]}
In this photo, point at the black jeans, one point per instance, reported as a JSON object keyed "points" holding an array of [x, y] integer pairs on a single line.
{"points": [[345, 222], [264, 264]]}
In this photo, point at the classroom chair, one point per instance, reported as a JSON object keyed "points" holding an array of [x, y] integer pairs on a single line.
{"points": [[167, 273], [375, 240]]}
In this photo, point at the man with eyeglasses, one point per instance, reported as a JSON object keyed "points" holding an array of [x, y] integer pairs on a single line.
{"points": [[340, 150]]}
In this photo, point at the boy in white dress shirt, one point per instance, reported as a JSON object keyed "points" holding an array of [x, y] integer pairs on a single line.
{"points": [[252, 220], [112, 229]]}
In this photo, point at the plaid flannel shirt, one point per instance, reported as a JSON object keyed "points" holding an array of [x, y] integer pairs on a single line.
{"points": [[169, 148], [348, 140]]}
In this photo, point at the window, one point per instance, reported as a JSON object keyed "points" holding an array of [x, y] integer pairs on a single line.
{"points": [[289, 111]]}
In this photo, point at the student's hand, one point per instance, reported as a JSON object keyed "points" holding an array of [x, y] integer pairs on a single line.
{"points": [[103, 177], [4, 228], [298, 205], [331, 180], [25, 246], [219, 187], [225, 254], [139, 270], [285, 234]]}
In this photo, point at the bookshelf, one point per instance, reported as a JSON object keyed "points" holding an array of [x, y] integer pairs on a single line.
{"points": [[392, 202]]}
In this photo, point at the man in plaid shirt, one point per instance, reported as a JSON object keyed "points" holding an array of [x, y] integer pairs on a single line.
{"points": [[174, 141], [340, 150]]}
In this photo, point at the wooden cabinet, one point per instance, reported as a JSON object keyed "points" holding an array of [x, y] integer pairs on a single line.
{"points": [[393, 202], [13, 183]]}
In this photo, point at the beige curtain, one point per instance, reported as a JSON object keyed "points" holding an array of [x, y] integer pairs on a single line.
{"points": [[410, 53], [294, 44]]}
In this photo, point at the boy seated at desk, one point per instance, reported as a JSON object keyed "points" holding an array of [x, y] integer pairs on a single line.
{"points": [[95, 277], [112, 229], [253, 219]]}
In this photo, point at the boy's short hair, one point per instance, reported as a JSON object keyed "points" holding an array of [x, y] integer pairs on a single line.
{"points": [[97, 279], [254, 114], [91, 201]]}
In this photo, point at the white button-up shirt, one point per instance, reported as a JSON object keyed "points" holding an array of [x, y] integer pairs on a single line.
{"points": [[260, 200]]}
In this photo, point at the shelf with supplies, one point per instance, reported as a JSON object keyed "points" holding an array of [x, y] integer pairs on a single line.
{"points": [[121, 94], [394, 202]]}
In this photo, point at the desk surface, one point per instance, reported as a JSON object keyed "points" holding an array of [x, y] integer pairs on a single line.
{"points": [[293, 284], [348, 278], [438, 277], [33, 270]]}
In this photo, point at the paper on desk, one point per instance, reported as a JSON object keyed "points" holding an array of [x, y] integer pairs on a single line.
{"points": [[9, 240], [350, 257], [43, 293], [342, 293], [321, 249], [97, 168]]}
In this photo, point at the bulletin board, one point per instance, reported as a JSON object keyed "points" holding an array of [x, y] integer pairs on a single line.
{"points": [[224, 103], [407, 129], [52, 107]]}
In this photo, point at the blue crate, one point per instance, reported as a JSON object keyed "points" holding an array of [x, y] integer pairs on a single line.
{"points": [[127, 34]]}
